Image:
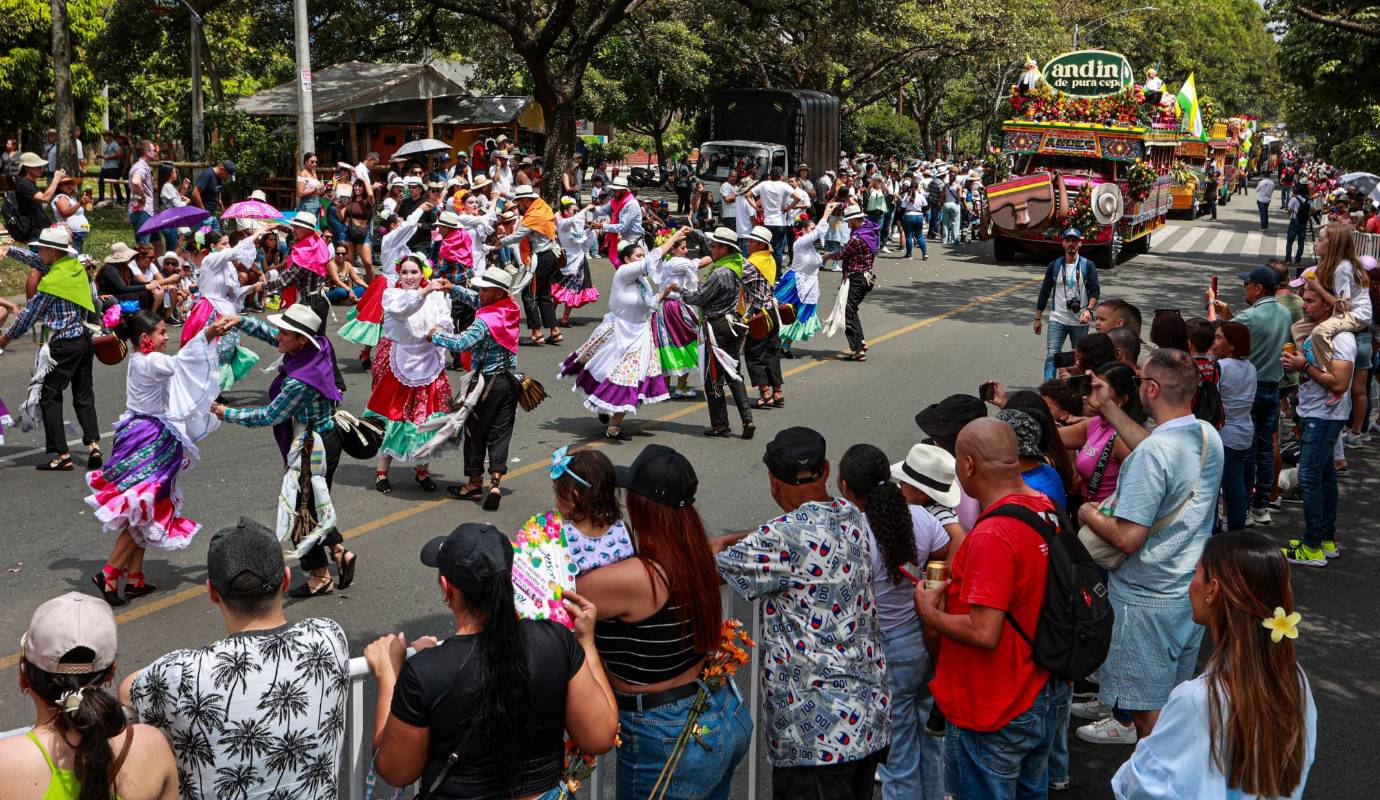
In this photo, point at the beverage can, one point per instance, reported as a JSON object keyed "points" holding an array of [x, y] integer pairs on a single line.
{"points": [[936, 572], [1290, 348]]}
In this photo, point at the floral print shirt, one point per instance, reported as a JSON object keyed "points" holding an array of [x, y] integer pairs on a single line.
{"points": [[824, 689], [259, 715]]}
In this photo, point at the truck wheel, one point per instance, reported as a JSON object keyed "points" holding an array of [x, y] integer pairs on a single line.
{"points": [[1003, 249], [1196, 211], [1107, 256]]}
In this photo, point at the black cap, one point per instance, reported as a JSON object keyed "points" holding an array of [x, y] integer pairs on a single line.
{"points": [[245, 560], [661, 475], [793, 451], [471, 556], [1265, 276], [943, 420]]}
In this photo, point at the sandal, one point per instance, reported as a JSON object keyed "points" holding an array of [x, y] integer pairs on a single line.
{"points": [[305, 591], [469, 491], [493, 498], [133, 592], [538, 339], [858, 356], [556, 338], [779, 401], [381, 483], [61, 464], [722, 433], [424, 480], [749, 430], [94, 459], [761, 403], [112, 596], [346, 569]]}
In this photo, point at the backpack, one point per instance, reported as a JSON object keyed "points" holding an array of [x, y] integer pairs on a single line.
{"points": [[1207, 400], [1074, 631], [17, 226]]}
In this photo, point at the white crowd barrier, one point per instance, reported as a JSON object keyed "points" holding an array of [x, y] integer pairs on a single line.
{"points": [[359, 726], [1367, 244]]}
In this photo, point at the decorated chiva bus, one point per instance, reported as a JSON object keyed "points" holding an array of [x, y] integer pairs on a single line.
{"points": [[1086, 147], [1195, 158]]}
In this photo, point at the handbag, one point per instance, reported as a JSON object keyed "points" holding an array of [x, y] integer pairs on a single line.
{"points": [[1109, 556], [760, 324], [109, 348], [530, 392], [360, 438]]}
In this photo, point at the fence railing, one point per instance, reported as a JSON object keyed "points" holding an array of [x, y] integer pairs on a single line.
{"points": [[1367, 244], [359, 728]]}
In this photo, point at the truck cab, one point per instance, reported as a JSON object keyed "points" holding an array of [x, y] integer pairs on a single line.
{"points": [[718, 157]]}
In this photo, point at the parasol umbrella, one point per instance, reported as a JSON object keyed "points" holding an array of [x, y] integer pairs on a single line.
{"points": [[251, 209], [422, 147], [1363, 182], [182, 217]]}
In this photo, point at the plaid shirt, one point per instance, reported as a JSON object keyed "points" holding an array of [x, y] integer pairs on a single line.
{"points": [[297, 401], [856, 257], [307, 282], [486, 354], [62, 317]]}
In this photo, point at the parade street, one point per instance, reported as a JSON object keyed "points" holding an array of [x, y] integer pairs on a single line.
{"points": [[935, 327]]}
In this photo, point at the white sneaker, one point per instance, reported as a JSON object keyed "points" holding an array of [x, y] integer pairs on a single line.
{"points": [[1261, 516], [1093, 709], [1107, 731], [1351, 439]]}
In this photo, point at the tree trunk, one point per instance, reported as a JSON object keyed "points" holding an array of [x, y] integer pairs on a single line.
{"points": [[212, 71], [559, 110], [64, 108], [659, 144]]}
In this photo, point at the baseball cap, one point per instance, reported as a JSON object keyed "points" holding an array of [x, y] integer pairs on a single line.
{"points": [[65, 623], [793, 451], [228, 166], [661, 475], [245, 560], [1072, 233], [1265, 276], [471, 556]]}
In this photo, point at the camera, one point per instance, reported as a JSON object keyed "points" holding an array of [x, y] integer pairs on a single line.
{"points": [[1075, 307]]}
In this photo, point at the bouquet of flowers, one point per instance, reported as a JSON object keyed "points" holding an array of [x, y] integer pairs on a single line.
{"points": [[1080, 214], [542, 570], [996, 167], [1140, 180]]}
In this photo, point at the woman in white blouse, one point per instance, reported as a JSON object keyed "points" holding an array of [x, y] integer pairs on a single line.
{"points": [[1247, 727]]}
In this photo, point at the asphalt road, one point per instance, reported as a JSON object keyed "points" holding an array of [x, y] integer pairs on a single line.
{"points": [[937, 327]]}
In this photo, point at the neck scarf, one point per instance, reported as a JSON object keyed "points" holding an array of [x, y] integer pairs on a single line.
{"points": [[311, 253], [312, 366], [458, 246], [765, 263], [66, 278], [502, 318], [870, 234], [616, 203], [734, 261], [541, 219]]}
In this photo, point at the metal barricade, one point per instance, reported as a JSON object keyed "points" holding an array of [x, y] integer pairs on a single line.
{"points": [[1367, 244]]}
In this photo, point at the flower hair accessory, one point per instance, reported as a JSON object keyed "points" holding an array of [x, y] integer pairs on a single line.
{"points": [[111, 317], [1282, 625], [70, 701], [560, 465]]}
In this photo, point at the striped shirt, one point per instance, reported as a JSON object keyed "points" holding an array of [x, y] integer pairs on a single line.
{"points": [[656, 649]]}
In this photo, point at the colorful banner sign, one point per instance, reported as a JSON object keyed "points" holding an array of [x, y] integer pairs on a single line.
{"points": [[1089, 73]]}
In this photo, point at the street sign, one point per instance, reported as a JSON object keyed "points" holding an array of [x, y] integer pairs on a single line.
{"points": [[1089, 73]]}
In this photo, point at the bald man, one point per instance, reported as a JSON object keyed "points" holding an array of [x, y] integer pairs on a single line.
{"points": [[1003, 709]]}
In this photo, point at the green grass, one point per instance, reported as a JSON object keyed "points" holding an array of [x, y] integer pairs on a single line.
{"points": [[108, 225]]}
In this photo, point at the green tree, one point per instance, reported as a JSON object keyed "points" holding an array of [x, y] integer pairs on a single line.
{"points": [[26, 66], [879, 130]]}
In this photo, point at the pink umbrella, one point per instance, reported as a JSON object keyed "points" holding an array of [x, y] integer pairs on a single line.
{"points": [[251, 209]]}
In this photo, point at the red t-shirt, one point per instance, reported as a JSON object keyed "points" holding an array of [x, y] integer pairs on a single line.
{"points": [[1373, 224], [1000, 565]]}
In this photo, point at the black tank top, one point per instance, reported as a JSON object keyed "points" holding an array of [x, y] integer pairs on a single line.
{"points": [[649, 651]]}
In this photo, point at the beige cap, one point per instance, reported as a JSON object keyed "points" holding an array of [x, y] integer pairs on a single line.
{"points": [[65, 623]]}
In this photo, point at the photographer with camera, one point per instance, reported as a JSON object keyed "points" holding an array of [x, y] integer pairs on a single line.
{"points": [[1071, 280]]}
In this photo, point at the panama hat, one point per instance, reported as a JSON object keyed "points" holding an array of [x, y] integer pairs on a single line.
{"points": [[725, 236], [55, 239], [931, 470], [494, 278], [852, 212], [761, 235], [448, 219], [300, 319], [258, 194], [524, 192], [480, 183], [31, 160], [120, 253], [620, 183], [305, 219]]}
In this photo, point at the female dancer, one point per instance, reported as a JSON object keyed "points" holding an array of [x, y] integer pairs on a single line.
{"points": [[358, 216], [800, 286], [576, 286], [616, 369], [169, 402], [675, 326], [222, 295], [409, 376], [364, 323]]}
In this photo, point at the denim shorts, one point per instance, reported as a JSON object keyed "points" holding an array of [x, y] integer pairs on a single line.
{"points": [[705, 770], [1363, 349]]}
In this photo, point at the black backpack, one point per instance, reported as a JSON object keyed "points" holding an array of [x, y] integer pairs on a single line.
{"points": [[1075, 628], [1207, 400]]}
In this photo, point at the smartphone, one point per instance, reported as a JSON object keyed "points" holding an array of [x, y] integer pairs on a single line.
{"points": [[1065, 360], [987, 391], [1079, 385], [1214, 285], [912, 571]]}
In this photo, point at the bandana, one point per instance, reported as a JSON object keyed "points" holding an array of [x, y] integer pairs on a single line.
{"points": [[312, 366], [765, 264], [734, 261], [541, 219], [870, 233], [66, 278], [503, 319], [311, 253], [457, 246]]}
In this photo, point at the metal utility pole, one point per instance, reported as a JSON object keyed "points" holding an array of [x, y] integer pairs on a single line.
{"points": [[306, 130], [198, 111]]}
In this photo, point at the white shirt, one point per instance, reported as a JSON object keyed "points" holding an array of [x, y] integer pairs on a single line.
{"points": [[776, 197], [170, 197], [1154, 84], [1068, 285], [1264, 190], [1313, 398], [177, 389], [1237, 386], [896, 601], [805, 262], [745, 216], [407, 316], [728, 199], [362, 173], [219, 282], [77, 223], [1358, 299]]}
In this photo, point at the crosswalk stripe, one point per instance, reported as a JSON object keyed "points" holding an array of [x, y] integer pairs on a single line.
{"points": [[1187, 240], [1253, 244], [1219, 242], [1280, 247], [1166, 233]]}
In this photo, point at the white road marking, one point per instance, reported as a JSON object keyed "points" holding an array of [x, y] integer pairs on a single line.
{"points": [[1218, 246], [1187, 240], [1253, 243]]}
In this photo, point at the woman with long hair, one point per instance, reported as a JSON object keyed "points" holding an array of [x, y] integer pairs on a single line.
{"points": [[1098, 450], [1246, 727], [168, 401], [659, 619], [675, 325], [309, 187], [171, 194], [903, 537], [1341, 282], [358, 216], [484, 712], [80, 746]]}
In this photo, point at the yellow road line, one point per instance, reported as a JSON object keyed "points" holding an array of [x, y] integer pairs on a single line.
{"points": [[191, 592]]}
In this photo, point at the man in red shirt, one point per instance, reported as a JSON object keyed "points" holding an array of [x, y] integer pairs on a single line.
{"points": [[1001, 707]]}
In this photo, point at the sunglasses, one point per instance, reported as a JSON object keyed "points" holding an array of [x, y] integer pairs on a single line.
{"points": [[1138, 380]]}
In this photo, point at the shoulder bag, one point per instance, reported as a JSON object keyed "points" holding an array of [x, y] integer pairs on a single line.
{"points": [[1109, 556]]}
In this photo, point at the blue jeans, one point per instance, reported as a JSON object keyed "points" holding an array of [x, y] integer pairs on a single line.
{"points": [[1260, 467], [136, 221], [1298, 232], [1284, 192], [1059, 745], [334, 225], [780, 244], [170, 239], [887, 219], [1055, 344], [913, 224], [1264, 214], [1318, 478], [79, 240], [1009, 763], [337, 295], [914, 768], [704, 772], [948, 222], [1234, 488], [934, 211]]}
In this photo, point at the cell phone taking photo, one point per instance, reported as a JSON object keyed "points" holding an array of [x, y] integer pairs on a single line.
{"points": [[1065, 360], [987, 391], [1079, 385]]}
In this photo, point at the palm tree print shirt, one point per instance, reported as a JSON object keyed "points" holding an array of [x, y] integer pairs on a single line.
{"points": [[256, 716]]}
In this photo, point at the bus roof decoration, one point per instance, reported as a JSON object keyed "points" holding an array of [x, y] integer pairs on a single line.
{"points": [[1089, 73]]}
